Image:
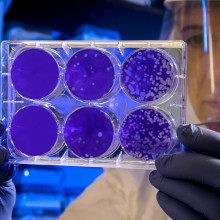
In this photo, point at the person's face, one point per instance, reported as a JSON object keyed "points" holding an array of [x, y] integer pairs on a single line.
{"points": [[202, 34]]}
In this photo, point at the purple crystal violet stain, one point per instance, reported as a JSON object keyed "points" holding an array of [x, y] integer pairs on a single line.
{"points": [[145, 134], [34, 74], [89, 74], [34, 130], [89, 132], [147, 75]]}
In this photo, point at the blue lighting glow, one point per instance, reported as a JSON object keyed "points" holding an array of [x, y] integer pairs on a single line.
{"points": [[26, 172], [205, 31]]}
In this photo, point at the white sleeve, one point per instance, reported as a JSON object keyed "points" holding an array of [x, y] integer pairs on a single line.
{"points": [[118, 194]]}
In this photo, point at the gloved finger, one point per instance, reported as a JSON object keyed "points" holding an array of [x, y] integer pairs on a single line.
{"points": [[3, 155], [190, 166], [203, 200], [7, 171], [176, 209], [200, 139], [2, 127]]}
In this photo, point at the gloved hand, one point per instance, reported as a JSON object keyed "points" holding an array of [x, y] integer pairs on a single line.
{"points": [[189, 182], [7, 188]]}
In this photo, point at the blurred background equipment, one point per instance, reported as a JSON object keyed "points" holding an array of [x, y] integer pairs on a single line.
{"points": [[4, 7], [43, 192], [132, 21]]}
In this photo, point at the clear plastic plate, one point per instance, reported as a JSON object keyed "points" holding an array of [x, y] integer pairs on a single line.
{"points": [[92, 103]]}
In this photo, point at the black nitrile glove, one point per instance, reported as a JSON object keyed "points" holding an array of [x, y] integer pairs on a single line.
{"points": [[189, 182], [7, 188]]}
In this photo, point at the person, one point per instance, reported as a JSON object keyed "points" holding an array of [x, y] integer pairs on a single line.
{"points": [[7, 187], [193, 21], [188, 182]]}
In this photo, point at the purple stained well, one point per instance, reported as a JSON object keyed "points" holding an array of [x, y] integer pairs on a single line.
{"points": [[34, 130], [89, 132], [145, 134], [147, 75], [90, 74], [34, 74]]}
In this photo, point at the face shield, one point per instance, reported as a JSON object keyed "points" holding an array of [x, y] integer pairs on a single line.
{"points": [[197, 22]]}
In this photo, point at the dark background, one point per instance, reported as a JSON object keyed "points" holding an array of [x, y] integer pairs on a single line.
{"points": [[133, 22]]}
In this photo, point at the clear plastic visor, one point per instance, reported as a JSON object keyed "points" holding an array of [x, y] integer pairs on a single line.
{"points": [[198, 24]]}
